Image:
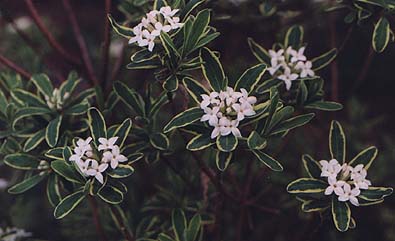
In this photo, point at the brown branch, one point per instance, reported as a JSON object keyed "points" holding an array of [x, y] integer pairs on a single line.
{"points": [[365, 68], [8, 63], [81, 42], [334, 67], [96, 218], [125, 232], [106, 43], [50, 38]]}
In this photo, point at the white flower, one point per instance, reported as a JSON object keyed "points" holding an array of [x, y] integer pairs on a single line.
{"points": [[305, 69], [244, 109], [296, 55], [94, 169], [288, 77], [106, 144], [209, 99], [114, 157], [330, 169], [167, 12], [334, 186], [277, 57], [151, 26], [211, 115], [250, 99], [348, 194]]}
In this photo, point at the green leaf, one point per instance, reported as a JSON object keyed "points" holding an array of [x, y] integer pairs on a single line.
{"points": [[27, 98], [199, 26], [21, 161], [193, 228], [3, 102], [78, 109], [250, 78], [66, 153], [323, 60], [341, 214], [313, 168], [268, 161], [222, 159], [119, 29], [307, 186], [43, 84], [33, 141], [179, 223], [259, 52], [315, 205], [365, 157], [145, 64], [256, 141], [325, 105], [337, 142], [29, 112], [195, 89], [122, 131], [164, 237], [293, 123], [189, 7], [227, 143], [375, 193], [157, 105], [70, 84], [159, 141], [55, 153], [97, 125], [52, 131], [122, 171], [26, 184], [170, 49], [171, 83], [110, 194], [212, 70], [184, 118], [294, 37], [130, 98], [274, 100], [53, 192], [381, 35], [199, 142], [68, 204], [67, 171]]}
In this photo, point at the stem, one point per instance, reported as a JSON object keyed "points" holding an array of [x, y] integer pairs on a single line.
{"points": [[124, 230], [106, 43], [96, 218], [334, 67], [15, 67], [50, 38], [81, 42], [365, 68]]}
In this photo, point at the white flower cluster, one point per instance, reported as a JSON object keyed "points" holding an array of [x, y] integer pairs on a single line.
{"points": [[56, 101], [13, 234], [287, 65], [345, 181], [153, 24], [92, 162], [224, 110]]}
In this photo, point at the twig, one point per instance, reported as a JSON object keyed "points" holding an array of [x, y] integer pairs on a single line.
{"points": [[81, 42], [125, 231], [365, 68], [106, 43], [50, 38], [334, 67], [346, 38], [96, 218], [15, 67]]}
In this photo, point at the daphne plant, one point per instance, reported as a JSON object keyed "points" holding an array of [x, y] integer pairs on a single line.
{"points": [[95, 164], [289, 66], [335, 184], [177, 45], [231, 117]]}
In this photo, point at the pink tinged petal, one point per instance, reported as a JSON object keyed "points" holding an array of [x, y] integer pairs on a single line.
{"points": [[343, 198], [99, 177], [240, 116], [213, 120], [324, 163], [75, 158], [355, 192], [339, 191], [103, 141], [205, 117], [166, 28], [354, 201], [329, 190], [236, 132], [122, 158], [91, 172], [112, 140], [288, 84], [114, 164], [151, 46], [252, 100], [347, 188], [215, 132], [103, 167]]}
